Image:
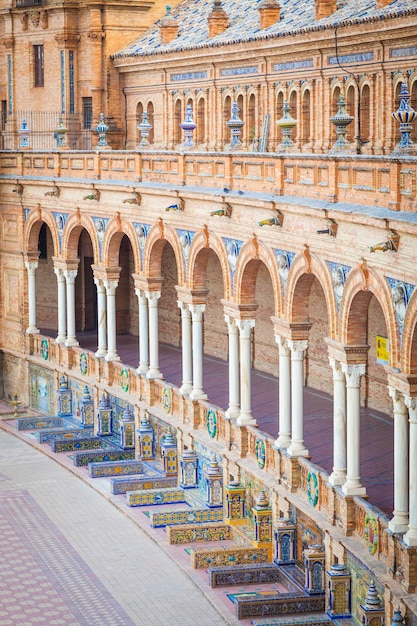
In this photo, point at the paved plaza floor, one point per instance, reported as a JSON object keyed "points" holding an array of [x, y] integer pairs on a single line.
{"points": [[69, 557]]}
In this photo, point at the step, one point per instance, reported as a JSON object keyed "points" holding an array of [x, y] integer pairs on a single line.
{"points": [[247, 607], [312, 619], [252, 574], [114, 468], [123, 485], [203, 558], [82, 459], [294, 574], [149, 497], [194, 533]]}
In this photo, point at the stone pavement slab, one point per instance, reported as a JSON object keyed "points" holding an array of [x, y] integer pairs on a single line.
{"points": [[67, 557]]}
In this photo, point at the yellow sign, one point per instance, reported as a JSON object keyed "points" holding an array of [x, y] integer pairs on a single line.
{"points": [[382, 350]]}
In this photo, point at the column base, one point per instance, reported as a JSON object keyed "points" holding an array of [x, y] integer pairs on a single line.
{"points": [[282, 442], [232, 413], [337, 479], [143, 369], [198, 394], [101, 353], [71, 343], [353, 488], [298, 449], [112, 356], [152, 374], [61, 340], [246, 420], [186, 389], [32, 330], [410, 538], [399, 522]]}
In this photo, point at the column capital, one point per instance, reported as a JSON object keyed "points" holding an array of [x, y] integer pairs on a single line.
{"points": [[197, 311], [297, 348], [283, 347], [153, 297], [59, 273], [338, 373], [245, 327], [31, 266], [397, 399], [111, 286], [231, 322], [411, 404], [184, 307], [70, 275], [353, 373]]}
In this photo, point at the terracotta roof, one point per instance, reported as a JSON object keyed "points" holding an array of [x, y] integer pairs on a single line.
{"points": [[244, 24]]}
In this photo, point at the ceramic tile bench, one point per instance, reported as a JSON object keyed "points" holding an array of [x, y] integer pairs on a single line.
{"points": [[35, 423], [115, 468], [203, 558], [247, 607], [83, 443], [253, 574], [102, 454], [146, 497], [123, 485], [193, 533], [53, 434], [185, 516], [304, 620]]}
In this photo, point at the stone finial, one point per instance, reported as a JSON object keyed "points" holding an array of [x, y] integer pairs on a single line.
{"points": [[218, 19], [168, 27], [269, 13], [324, 8], [372, 600]]}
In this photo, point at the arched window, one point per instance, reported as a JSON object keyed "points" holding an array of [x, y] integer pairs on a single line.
{"points": [[396, 133], [227, 112], [351, 109], [306, 117], [335, 100], [177, 122], [365, 112], [413, 103], [150, 110], [252, 129], [280, 113], [139, 113], [201, 121], [293, 113]]}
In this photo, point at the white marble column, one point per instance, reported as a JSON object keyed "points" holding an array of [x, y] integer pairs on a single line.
{"points": [[197, 313], [153, 371], [284, 408], [234, 388], [62, 306], [353, 373], [101, 319], [111, 286], [338, 475], [245, 333], [297, 447], [143, 333], [410, 538], [71, 339], [399, 521], [31, 269], [186, 349]]}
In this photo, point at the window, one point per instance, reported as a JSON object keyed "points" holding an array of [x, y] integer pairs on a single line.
{"points": [[87, 113], [38, 57]]}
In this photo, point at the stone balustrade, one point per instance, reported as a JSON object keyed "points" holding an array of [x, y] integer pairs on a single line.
{"points": [[385, 181]]}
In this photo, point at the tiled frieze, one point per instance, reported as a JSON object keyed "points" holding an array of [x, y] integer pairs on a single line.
{"points": [[192, 533], [201, 558], [146, 497], [185, 516], [114, 468]]}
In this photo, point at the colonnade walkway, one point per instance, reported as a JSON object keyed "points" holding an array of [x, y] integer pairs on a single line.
{"points": [[70, 558], [376, 432]]}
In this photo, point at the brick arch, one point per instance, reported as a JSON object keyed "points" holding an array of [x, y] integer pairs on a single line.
{"points": [[304, 269], [408, 363], [202, 246], [32, 227], [73, 227], [251, 256], [159, 235], [361, 285], [115, 231]]}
